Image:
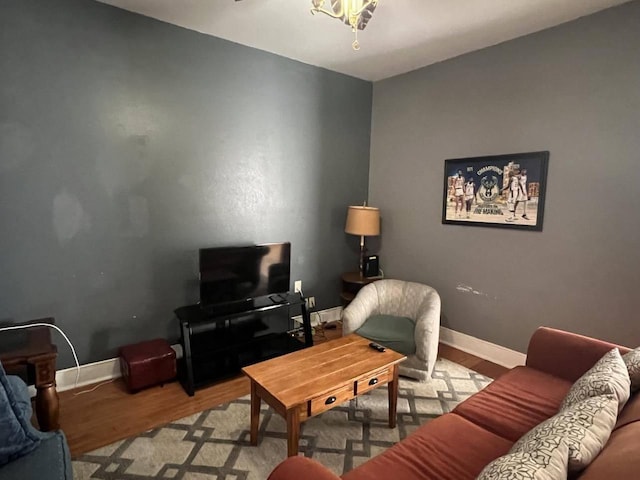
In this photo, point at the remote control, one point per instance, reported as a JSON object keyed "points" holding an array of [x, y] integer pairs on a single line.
{"points": [[377, 347]]}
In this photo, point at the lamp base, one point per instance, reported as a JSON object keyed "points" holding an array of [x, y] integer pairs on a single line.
{"points": [[362, 250]]}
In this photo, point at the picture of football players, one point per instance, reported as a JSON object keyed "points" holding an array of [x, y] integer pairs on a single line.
{"points": [[523, 192], [469, 195], [458, 192], [512, 189], [506, 191], [516, 193]]}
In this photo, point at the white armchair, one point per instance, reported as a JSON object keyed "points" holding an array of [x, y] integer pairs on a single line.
{"points": [[396, 298]]}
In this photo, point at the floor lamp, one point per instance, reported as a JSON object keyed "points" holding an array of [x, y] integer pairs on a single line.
{"points": [[363, 221]]}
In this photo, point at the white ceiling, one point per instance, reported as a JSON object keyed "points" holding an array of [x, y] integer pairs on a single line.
{"points": [[402, 35]]}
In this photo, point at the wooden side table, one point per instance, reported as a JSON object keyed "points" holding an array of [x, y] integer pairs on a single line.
{"points": [[32, 348], [352, 282]]}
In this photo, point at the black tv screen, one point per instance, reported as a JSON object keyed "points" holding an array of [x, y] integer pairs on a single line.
{"points": [[234, 274]]}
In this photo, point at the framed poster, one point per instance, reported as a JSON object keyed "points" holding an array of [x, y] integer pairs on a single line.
{"points": [[505, 191]]}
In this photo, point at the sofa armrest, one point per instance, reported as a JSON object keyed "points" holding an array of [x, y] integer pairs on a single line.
{"points": [[564, 354], [295, 468], [51, 460], [21, 393]]}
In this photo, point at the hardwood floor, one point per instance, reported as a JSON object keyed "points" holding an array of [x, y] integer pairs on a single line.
{"points": [[485, 367], [109, 413]]}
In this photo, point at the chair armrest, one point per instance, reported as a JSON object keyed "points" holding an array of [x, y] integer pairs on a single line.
{"points": [[564, 354], [427, 332], [296, 468], [362, 307]]}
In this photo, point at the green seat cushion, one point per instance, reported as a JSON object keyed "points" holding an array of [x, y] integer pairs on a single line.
{"points": [[393, 332]]}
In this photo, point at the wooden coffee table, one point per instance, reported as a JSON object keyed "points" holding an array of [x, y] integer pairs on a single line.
{"points": [[303, 384]]}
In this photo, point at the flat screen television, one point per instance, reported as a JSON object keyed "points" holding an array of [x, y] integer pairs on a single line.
{"points": [[243, 273]]}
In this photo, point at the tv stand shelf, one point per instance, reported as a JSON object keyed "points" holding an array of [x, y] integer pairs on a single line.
{"points": [[218, 341]]}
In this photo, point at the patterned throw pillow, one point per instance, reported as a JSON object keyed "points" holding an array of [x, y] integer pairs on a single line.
{"points": [[585, 427], [552, 465], [632, 360], [609, 376]]}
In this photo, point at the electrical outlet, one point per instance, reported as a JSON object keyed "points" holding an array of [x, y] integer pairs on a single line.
{"points": [[297, 286], [311, 302]]}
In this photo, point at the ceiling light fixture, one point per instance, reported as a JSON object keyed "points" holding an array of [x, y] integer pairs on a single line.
{"points": [[355, 13]]}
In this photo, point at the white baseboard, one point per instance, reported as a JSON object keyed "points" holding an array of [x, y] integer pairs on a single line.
{"points": [[331, 315], [90, 373], [105, 370], [481, 348], [96, 372], [322, 316]]}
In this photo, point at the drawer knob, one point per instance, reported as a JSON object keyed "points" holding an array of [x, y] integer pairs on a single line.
{"points": [[330, 400], [373, 381]]}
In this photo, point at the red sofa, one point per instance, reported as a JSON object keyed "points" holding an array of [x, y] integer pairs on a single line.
{"points": [[458, 445]]}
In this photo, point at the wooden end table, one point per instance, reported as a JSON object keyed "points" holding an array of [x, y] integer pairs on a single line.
{"points": [[32, 348], [352, 283], [303, 384]]}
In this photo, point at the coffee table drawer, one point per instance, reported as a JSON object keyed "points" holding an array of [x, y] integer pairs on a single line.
{"points": [[329, 400], [373, 380]]}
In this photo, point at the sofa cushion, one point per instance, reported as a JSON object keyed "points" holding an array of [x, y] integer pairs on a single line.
{"points": [[630, 413], [17, 437], [608, 376], [447, 448], [548, 462], [393, 332], [302, 467], [585, 427], [516, 402], [619, 460], [632, 361]]}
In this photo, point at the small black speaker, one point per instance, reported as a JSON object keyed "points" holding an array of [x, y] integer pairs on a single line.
{"points": [[371, 267]]}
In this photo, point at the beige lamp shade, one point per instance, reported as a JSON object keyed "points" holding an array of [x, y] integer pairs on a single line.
{"points": [[364, 221]]}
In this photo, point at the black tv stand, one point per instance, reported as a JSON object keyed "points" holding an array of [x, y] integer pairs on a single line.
{"points": [[219, 340], [278, 298]]}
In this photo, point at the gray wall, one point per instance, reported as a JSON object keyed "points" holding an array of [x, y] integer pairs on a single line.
{"points": [[573, 90], [126, 144]]}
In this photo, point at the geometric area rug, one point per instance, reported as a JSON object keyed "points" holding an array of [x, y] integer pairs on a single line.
{"points": [[214, 444]]}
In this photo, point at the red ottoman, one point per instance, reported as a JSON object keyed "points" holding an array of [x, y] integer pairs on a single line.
{"points": [[147, 363]]}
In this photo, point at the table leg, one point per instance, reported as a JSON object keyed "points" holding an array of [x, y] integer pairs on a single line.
{"points": [[255, 414], [393, 398], [293, 432], [47, 402], [47, 408]]}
